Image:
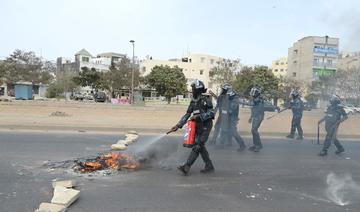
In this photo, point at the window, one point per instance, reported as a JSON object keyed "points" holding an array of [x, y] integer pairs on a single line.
{"points": [[277, 63], [202, 59], [85, 59], [282, 63], [201, 72], [189, 60], [294, 74], [282, 70], [212, 61], [295, 51], [276, 70], [295, 61], [329, 62], [144, 69]]}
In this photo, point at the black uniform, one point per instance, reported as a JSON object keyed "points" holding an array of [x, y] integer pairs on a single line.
{"points": [[257, 116], [201, 107], [231, 115], [217, 127], [335, 114], [297, 107]]}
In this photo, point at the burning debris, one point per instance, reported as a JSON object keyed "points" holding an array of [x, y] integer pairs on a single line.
{"points": [[112, 160]]}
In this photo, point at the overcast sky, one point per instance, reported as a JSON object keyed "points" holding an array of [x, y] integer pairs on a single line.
{"points": [[256, 31]]}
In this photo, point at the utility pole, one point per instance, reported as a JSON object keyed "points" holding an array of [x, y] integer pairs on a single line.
{"points": [[132, 73]]}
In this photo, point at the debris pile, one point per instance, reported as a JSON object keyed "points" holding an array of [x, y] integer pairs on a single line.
{"points": [[112, 160], [59, 114]]}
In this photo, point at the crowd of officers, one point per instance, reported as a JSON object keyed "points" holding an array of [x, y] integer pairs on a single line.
{"points": [[228, 102]]}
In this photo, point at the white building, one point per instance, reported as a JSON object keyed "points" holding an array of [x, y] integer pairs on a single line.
{"points": [[194, 66]]}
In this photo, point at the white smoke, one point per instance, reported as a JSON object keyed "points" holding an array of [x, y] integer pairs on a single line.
{"points": [[342, 189]]}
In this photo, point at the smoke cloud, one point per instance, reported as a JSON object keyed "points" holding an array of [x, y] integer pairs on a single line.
{"points": [[342, 189]]}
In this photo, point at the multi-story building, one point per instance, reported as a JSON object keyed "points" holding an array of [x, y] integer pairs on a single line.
{"points": [[194, 66], [350, 60], [312, 57], [279, 67], [84, 59]]}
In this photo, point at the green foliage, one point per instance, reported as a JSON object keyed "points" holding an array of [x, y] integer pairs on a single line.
{"points": [[167, 81], [54, 90], [120, 75], [312, 99], [224, 71], [26, 66], [259, 76], [89, 77]]}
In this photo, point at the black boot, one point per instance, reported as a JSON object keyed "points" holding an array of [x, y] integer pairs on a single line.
{"points": [[257, 148], [323, 152], [209, 168], [299, 137], [241, 148], [184, 169], [339, 150], [252, 148], [290, 136]]}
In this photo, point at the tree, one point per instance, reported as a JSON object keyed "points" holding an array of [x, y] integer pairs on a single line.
{"points": [[120, 75], [64, 83], [167, 81], [259, 76], [25, 66], [224, 71], [89, 77]]}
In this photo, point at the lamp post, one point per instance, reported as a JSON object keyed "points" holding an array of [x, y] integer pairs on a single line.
{"points": [[132, 73]]}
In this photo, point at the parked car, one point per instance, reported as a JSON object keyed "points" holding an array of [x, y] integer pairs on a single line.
{"points": [[89, 96], [78, 96], [268, 106], [100, 96], [351, 109]]}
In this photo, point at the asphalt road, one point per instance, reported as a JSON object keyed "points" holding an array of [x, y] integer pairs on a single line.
{"points": [[284, 176]]}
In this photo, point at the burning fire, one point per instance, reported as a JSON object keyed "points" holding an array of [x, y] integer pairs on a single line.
{"points": [[112, 160]]}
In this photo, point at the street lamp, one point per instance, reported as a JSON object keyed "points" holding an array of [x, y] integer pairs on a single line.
{"points": [[132, 72]]}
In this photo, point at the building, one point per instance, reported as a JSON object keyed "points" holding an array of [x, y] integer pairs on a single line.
{"points": [[279, 67], [83, 58], [350, 60], [194, 66], [312, 57]]}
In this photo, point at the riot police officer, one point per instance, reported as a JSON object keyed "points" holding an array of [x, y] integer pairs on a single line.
{"points": [[219, 103], [229, 129], [335, 114], [200, 110], [297, 107], [257, 116]]}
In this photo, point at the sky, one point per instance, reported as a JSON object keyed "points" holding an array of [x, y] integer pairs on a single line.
{"points": [[255, 31]]}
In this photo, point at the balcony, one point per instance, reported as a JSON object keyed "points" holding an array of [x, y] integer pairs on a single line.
{"points": [[322, 65]]}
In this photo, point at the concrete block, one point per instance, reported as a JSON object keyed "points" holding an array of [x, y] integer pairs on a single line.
{"points": [[131, 137], [133, 132], [64, 183], [118, 147], [65, 196], [49, 207]]}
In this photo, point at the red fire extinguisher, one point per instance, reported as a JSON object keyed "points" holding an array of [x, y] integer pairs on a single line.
{"points": [[189, 137]]}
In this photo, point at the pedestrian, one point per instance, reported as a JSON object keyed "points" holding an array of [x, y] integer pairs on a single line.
{"points": [[335, 114], [257, 116], [229, 129], [297, 108], [219, 101], [201, 111]]}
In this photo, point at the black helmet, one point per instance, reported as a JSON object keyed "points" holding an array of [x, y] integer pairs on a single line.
{"points": [[198, 86], [255, 92], [335, 99], [294, 93]]}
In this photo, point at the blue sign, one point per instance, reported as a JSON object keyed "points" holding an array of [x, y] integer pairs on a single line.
{"points": [[328, 51]]}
